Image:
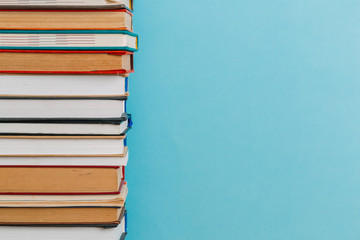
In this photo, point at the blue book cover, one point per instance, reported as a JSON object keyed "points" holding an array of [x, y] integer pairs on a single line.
{"points": [[123, 236], [109, 40]]}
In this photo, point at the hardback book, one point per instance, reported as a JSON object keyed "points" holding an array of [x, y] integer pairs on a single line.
{"points": [[66, 4], [66, 127], [62, 146], [63, 86], [60, 108], [66, 161], [65, 62], [86, 210], [28, 19], [64, 233], [68, 40], [61, 179]]}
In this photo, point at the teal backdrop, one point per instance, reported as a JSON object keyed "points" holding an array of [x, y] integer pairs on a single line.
{"points": [[247, 120]]}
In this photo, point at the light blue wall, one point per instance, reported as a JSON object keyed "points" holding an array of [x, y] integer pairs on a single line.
{"points": [[247, 120]]}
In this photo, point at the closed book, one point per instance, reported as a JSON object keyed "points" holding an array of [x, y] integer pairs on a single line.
{"points": [[59, 108], [66, 161], [62, 146], [68, 40], [66, 127], [64, 233], [62, 209], [66, 4], [63, 86], [66, 19], [65, 62], [61, 179]]}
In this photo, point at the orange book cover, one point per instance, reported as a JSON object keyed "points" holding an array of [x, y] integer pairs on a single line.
{"points": [[59, 62]]}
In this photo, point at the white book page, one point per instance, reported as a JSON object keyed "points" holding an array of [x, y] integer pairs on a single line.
{"points": [[58, 128], [30, 108], [67, 40], [54, 146], [66, 198], [62, 233], [65, 161], [62, 85]]}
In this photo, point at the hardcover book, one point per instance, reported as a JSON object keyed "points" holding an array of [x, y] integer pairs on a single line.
{"points": [[65, 233], [62, 146], [96, 210], [65, 62], [61, 179], [66, 161], [61, 108], [65, 19], [68, 40], [66, 4], [63, 86], [66, 127]]}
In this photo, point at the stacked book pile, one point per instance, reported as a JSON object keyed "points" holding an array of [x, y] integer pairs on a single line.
{"points": [[64, 67]]}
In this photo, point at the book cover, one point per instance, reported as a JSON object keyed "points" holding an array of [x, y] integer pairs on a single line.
{"points": [[28, 19], [61, 180], [69, 40], [67, 4], [65, 62]]}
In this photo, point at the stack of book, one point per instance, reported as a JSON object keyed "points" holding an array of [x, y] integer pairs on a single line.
{"points": [[64, 69]]}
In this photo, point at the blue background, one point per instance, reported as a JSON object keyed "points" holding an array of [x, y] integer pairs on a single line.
{"points": [[247, 120]]}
